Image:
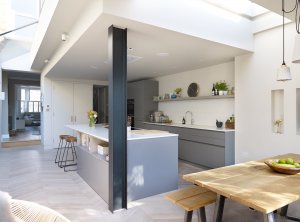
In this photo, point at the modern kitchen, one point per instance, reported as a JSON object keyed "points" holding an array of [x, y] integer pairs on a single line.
{"points": [[146, 101]]}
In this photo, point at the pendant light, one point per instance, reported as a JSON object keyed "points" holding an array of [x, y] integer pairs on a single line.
{"points": [[284, 72]]}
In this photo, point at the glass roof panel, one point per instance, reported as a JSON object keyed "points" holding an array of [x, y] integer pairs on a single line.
{"points": [[241, 7]]}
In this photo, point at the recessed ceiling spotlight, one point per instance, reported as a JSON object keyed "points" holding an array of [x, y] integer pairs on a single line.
{"points": [[162, 54], [94, 67], [130, 49], [64, 37], [46, 61]]}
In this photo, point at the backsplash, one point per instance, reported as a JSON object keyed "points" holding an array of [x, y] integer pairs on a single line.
{"points": [[205, 112]]}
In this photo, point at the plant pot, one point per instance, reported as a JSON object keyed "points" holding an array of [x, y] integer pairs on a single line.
{"points": [[221, 92], [178, 95], [225, 93]]}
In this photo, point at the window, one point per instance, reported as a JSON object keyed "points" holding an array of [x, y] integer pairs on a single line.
{"points": [[30, 99]]}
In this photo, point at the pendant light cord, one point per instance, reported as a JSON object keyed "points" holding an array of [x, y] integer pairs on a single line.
{"points": [[297, 14], [283, 62]]}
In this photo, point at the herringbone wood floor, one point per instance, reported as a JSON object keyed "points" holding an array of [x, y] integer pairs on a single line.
{"points": [[30, 174]]}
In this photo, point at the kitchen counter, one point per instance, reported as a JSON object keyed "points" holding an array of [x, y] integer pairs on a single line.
{"points": [[151, 155], [101, 132], [202, 127]]}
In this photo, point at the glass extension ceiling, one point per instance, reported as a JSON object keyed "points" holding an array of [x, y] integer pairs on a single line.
{"points": [[244, 8]]}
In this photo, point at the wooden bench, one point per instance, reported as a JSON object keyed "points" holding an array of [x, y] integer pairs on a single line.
{"points": [[193, 198]]}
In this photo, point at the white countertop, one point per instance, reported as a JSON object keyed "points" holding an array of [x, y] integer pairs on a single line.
{"points": [[202, 127], [102, 133]]}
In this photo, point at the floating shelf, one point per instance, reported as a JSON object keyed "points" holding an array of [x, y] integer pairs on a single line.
{"points": [[195, 98]]}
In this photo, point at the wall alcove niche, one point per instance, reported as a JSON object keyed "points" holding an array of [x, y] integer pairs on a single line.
{"points": [[277, 109], [298, 110]]}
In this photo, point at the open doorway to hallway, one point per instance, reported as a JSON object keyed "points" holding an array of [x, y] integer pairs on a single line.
{"points": [[22, 109]]}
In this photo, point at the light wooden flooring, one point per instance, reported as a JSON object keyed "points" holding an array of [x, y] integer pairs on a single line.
{"points": [[30, 174]]}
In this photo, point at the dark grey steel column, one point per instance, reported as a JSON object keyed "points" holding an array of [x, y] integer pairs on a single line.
{"points": [[117, 52]]}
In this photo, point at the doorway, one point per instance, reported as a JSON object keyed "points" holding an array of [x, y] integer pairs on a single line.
{"points": [[22, 108], [100, 102]]}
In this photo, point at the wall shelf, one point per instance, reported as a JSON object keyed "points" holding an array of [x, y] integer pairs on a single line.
{"points": [[196, 98]]}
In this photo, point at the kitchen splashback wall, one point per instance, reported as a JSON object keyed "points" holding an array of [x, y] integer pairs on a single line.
{"points": [[205, 111]]}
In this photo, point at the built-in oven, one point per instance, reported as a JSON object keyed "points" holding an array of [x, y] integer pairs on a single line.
{"points": [[130, 111]]}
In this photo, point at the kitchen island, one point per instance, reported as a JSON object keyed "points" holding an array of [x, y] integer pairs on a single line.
{"points": [[151, 155]]}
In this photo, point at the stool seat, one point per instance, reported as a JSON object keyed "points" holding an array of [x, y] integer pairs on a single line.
{"points": [[71, 139], [62, 137]]}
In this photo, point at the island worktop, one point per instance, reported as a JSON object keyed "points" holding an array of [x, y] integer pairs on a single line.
{"points": [[101, 132], [151, 155]]}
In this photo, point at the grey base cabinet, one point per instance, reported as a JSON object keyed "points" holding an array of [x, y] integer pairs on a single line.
{"points": [[207, 148]]}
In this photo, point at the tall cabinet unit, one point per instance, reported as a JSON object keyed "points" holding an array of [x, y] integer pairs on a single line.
{"points": [[70, 102], [142, 93]]}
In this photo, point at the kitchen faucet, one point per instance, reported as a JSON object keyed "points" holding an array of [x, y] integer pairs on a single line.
{"points": [[192, 119]]}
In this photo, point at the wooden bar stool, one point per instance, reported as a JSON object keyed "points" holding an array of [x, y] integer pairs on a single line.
{"points": [[60, 147], [70, 145]]}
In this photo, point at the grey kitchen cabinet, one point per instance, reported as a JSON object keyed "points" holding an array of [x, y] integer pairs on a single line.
{"points": [[209, 148], [142, 93]]}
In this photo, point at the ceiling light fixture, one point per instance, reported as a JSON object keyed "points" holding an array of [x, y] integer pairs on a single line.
{"points": [[46, 61], [296, 54], [64, 37], [284, 72]]}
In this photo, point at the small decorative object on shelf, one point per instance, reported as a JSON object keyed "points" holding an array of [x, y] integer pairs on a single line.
{"points": [[92, 115], [178, 92], [219, 124], [278, 124], [230, 122], [221, 87], [213, 90]]}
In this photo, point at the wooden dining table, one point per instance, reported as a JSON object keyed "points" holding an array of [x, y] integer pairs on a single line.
{"points": [[252, 184]]}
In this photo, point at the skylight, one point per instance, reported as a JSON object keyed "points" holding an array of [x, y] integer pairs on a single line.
{"points": [[15, 14], [242, 7]]}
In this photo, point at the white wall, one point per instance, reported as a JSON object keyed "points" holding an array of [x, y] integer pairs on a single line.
{"points": [[255, 77], [0, 105], [47, 114], [205, 111], [4, 116]]}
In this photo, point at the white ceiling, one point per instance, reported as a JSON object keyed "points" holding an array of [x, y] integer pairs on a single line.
{"points": [[276, 6], [87, 59]]}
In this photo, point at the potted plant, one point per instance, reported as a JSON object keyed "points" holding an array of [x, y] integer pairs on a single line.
{"points": [[278, 124], [178, 92], [222, 87]]}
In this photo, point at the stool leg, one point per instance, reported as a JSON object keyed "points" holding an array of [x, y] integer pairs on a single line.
{"points": [[74, 149], [73, 152], [57, 151], [66, 158], [62, 158], [201, 214], [188, 216]]}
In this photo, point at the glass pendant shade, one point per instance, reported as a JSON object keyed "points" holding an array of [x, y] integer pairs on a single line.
{"points": [[284, 73], [296, 55]]}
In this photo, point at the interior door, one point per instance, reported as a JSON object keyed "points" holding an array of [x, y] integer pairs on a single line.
{"points": [[83, 102], [62, 103]]}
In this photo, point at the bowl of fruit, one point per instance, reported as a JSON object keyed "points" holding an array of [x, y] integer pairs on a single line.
{"points": [[286, 166]]}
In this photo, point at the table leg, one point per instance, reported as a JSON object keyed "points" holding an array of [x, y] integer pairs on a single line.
{"points": [[269, 217], [283, 211], [188, 216], [201, 214], [219, 207]]}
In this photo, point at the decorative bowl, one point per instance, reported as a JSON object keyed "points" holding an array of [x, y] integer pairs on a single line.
{"points": [[281, 169]]}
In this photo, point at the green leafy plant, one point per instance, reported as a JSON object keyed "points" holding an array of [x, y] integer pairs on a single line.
{"points": [[178, 90], [221, 85]]}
